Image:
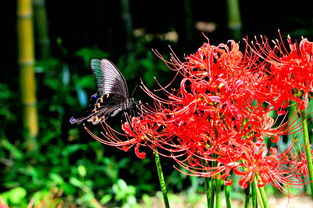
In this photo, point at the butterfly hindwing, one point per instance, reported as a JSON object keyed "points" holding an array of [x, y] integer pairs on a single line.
{"points": [[106, 106]]}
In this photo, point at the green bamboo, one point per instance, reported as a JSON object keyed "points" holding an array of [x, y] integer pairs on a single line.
{"points": [[234, 19], [41, 29], [307, 148], [161, 179], [128, 26], [227, 196], [27, 76], [188, 19]]}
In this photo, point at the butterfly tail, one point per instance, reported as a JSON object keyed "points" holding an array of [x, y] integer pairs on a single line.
{"points": [[78, 120], [94, 118]]}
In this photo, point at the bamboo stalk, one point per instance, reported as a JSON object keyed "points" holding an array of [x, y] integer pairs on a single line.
{"points": [[128, 25], [234, 19], [188, 19], [26, 64], [41, 29]]}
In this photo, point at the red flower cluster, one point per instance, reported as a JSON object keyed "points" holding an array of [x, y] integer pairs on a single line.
{"points": [[290, 74], [216, 122]]}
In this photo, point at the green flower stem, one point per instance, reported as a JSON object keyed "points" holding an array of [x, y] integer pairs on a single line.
{"points": [[260, 194], [307, 148], [247, 196], [254, 195], [212, 192], [263, 197], [161, 179], [227, 196], [208, 190], [218, 202], [257, 193]]}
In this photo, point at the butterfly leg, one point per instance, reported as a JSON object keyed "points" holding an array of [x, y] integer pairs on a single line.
{"points": [[115, 112]]}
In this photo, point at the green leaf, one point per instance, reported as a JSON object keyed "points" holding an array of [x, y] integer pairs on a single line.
{"points": [[106, 198], [52, 83], [46, 64], [56, 178], [89, 53], [86, 82], [15, 195], [68, 189], [16, 153], [82, 171], [76, 182]]}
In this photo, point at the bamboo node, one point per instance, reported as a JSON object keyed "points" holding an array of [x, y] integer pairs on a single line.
{"points": [[24, 14], [25, 62]]}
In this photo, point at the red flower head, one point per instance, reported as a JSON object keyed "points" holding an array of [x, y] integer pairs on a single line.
{"points": [[289, 72], [137, 131], [220, 114]]}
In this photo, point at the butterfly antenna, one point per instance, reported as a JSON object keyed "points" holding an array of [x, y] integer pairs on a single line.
{"points": [[134, 90]]}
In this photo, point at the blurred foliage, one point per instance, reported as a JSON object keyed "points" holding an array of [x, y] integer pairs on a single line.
{"points": [[68, 159]]}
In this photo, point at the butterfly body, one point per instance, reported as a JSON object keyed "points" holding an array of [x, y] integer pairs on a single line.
{"points": [[109, 107], [112, 93]]}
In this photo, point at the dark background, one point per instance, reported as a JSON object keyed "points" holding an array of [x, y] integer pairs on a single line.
{"points": [[98, 23]]}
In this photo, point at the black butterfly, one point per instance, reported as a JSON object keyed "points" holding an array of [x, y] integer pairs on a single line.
{"points": [[112, 96]]}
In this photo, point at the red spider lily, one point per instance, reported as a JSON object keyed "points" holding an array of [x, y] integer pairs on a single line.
{"points": [[278, 169], [215, 123], [252, 162], [137, 129], [290, 72], [219, 84], [218, 115]]}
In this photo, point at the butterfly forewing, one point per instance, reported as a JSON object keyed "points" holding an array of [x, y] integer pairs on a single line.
{"points": [[108, 78], [98, 74]]}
